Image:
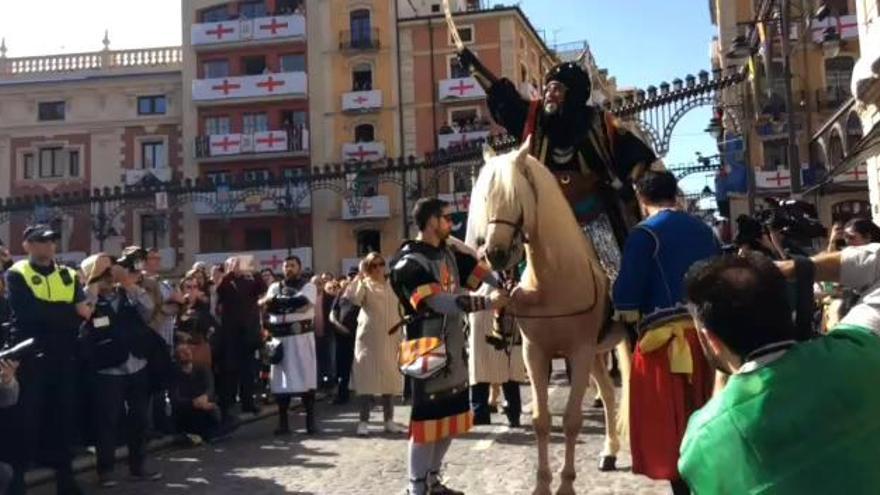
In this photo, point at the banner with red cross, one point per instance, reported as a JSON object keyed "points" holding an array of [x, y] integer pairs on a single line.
{"points": [[272, 84], [261, 28], [363, 152], [465, 87], [361, 100], [856, 174], [775, 179]]}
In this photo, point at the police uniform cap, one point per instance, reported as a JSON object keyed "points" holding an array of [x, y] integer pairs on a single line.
{"points": [[39, 233]]}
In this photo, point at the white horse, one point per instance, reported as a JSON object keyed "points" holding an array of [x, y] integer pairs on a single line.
{"points": [[516, 200]]}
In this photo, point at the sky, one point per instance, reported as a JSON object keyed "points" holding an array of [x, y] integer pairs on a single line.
{"points": [[665, 40]]}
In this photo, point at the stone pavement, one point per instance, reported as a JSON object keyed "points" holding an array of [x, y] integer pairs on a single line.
{"points": [[490, 460]]}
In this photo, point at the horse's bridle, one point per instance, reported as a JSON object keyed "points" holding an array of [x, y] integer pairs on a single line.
{"points": [[516, 226]]}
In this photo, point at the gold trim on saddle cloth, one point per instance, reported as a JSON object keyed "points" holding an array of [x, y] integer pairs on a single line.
{"points": [[672, 332], [432, 430]]}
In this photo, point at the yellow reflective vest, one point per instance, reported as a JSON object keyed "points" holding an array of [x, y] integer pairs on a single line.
{"points": [[58, 287]]}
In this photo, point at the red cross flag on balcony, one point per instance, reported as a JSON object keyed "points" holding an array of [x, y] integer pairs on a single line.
{"points": [[225, 144], [284, 26], [775, 179], [226, 87], [857, 174], [362, 152], [465, 87], [219, 31], [269, 141], [273, 26], [270, 83], [361, 100]]}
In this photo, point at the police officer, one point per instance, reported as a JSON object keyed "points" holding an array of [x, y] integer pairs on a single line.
{"points": [[48, 304]]}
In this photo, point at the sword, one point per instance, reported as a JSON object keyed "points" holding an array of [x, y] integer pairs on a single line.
{"points": [[453, 30]]}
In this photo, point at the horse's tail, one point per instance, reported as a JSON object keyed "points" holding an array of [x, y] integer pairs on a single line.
{"points": [[624, 360]]}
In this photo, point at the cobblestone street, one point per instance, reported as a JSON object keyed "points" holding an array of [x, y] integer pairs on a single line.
{"points": [[490, 460]]}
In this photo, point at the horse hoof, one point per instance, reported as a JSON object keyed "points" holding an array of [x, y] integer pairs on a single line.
{"points": [[608, 463], [542, 490], [565, 490]]}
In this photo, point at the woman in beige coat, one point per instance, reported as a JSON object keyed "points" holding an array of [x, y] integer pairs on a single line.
{"points": [[375, 370]]}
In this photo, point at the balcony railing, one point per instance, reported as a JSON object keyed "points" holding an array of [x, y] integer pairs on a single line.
{"points": [[361, 101], [169, 58], [363, 152], [294, 139], [359, 40], [259, 200], [242, 30], [262, 85], [460, 139], [141, 175], [460, 89]]}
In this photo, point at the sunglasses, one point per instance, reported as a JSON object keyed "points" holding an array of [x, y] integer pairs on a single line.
{"points": [[447, 217], [377, 265], [190, 287]]}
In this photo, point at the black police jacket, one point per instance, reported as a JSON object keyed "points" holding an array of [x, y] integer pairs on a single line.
{"points": [[110, 336]]}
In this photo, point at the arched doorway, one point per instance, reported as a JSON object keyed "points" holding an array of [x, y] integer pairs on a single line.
{"points": [[835, 149], [853, 131]]}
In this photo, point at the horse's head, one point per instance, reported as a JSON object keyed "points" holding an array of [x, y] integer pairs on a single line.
{"points": [[502, 211]]}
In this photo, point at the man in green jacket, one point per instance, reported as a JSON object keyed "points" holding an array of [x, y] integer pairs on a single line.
{"points": [[794, 418]]}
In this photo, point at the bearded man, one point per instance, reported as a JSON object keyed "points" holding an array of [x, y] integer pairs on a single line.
{"points": [[594, 158]]}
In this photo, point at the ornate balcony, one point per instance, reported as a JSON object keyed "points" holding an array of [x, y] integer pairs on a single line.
{"points": [[143, 175], [463, 88], [457, 139], [361, 101], [363, 152], [258, 200], [292, 140], [261, 29], [259, 86]]}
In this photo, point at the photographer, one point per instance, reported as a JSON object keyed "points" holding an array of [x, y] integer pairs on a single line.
{"points": [[116, 343], [785, 398], [48, 305], [239, 335], [8, 398], [167, 301]]}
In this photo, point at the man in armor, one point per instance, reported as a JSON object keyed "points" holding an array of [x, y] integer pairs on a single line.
{"points": [[289, 307], [429, 275], [594, 158]]}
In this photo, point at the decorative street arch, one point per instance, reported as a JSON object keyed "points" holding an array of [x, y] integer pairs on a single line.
{"points": [[656, 111]]}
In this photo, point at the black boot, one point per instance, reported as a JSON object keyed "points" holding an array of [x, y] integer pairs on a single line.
{"points": [[283, 425], [311, 422]]}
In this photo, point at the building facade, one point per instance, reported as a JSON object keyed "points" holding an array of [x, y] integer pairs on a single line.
{"points": [[92, 121], [246, 118], [866, 88], [259, 91], [823, 50]]}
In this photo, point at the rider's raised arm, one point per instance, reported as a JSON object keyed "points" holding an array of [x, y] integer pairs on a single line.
{"points": [[508, 108]]}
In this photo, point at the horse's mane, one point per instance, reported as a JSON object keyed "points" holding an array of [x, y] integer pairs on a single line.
{"points": [[503, 181]]}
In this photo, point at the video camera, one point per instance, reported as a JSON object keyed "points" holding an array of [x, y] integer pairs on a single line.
{"points": [[132, 259], [18, 351], [796, 220]]}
